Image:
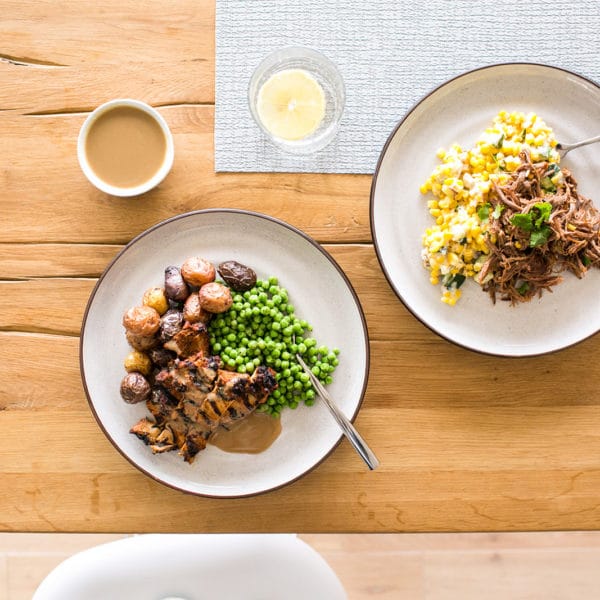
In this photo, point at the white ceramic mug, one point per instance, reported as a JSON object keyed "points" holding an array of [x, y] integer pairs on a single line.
{"points": [[102, 185]]}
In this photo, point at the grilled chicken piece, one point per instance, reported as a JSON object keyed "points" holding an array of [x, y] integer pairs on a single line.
{"points": [[192, 378], [207, 397], [159, 438], [233, 397], [192, 339]]}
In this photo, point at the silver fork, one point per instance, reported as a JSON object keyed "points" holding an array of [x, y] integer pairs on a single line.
{"points": [[564, 149], [349, 430]]}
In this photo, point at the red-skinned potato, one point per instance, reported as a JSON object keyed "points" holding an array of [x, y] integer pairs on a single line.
{"points": [[135, 388], [141, 342], [197, 271], [175, 287], [215, 297], [141, 320], [193, 312]]}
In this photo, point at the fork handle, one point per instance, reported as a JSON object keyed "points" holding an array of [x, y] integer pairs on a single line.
{"points": [[353, 436], [568, 147]]}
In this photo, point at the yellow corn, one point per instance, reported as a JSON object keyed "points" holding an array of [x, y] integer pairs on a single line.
{"points": [[456, 243]]}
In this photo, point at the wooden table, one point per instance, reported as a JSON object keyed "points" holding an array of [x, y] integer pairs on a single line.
{"points": [[467, 442]]}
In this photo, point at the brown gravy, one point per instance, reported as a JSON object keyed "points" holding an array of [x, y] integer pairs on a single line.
{"points": [[251, 435], [125, 146]]}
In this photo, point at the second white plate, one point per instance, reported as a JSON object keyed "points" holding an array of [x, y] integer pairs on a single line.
{"points": [[457, 112]]}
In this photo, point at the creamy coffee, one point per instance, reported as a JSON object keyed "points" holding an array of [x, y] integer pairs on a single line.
{"points": [[125, 146]]}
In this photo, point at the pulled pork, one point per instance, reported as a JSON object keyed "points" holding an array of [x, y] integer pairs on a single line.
{"points": [[524, 261]]}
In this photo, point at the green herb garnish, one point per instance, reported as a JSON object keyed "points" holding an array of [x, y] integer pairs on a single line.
{"points": [[546, 181], [522, 221], [523, 288], [453, 280], [483, 212], [547, 185], [534, 221], [499, 143], [587, 261], [540, 237], [544, 209]]}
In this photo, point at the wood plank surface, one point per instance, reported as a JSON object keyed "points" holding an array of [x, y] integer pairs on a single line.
{"points": [[466, 441]]}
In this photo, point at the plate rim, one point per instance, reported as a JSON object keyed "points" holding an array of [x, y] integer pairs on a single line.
{"points": [[258, 215], [380, 160]]}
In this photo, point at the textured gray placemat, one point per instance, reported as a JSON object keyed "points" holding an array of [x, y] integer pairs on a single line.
{"points": [[390, 53]]}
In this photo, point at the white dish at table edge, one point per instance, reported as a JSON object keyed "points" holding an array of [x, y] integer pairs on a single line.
{"points": [[458, 112], [321, 294], [194, 567]]}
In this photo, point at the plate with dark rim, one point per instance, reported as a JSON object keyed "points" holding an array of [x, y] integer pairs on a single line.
{"points": [[321, 294], [458, 112]]}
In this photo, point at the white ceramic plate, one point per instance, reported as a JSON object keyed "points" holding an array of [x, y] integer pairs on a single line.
{"points": [[195, 567], [459, 111], [317, 288]]}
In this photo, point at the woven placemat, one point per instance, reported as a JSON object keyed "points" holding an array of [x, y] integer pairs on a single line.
{"points": [[390, 53]]}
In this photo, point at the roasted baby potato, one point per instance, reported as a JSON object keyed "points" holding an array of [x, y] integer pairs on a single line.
{"points": [[155, 297], [193, 312], [197, 271], [138, 361], [135, 388], [215, 297], [175, 287], [141, 320], [238, 276], [141, 342], [170, 324]]}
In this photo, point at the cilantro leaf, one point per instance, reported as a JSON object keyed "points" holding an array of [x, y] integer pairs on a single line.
{"points": [[523, 288], [522, 221], [483, 212], [587, 261], [539, 237], [544, 209]]}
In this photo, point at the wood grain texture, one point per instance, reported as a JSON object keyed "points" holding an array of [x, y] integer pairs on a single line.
{"points": [[67, 208], [466, 441]]}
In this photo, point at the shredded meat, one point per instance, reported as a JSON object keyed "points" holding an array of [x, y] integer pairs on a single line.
{"points": [[516, 271]]}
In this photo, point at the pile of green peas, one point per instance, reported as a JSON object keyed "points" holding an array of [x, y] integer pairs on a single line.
{"points": [[261, 328]]}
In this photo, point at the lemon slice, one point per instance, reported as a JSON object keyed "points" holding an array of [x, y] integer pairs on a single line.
{"points": [[291, 104]]}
